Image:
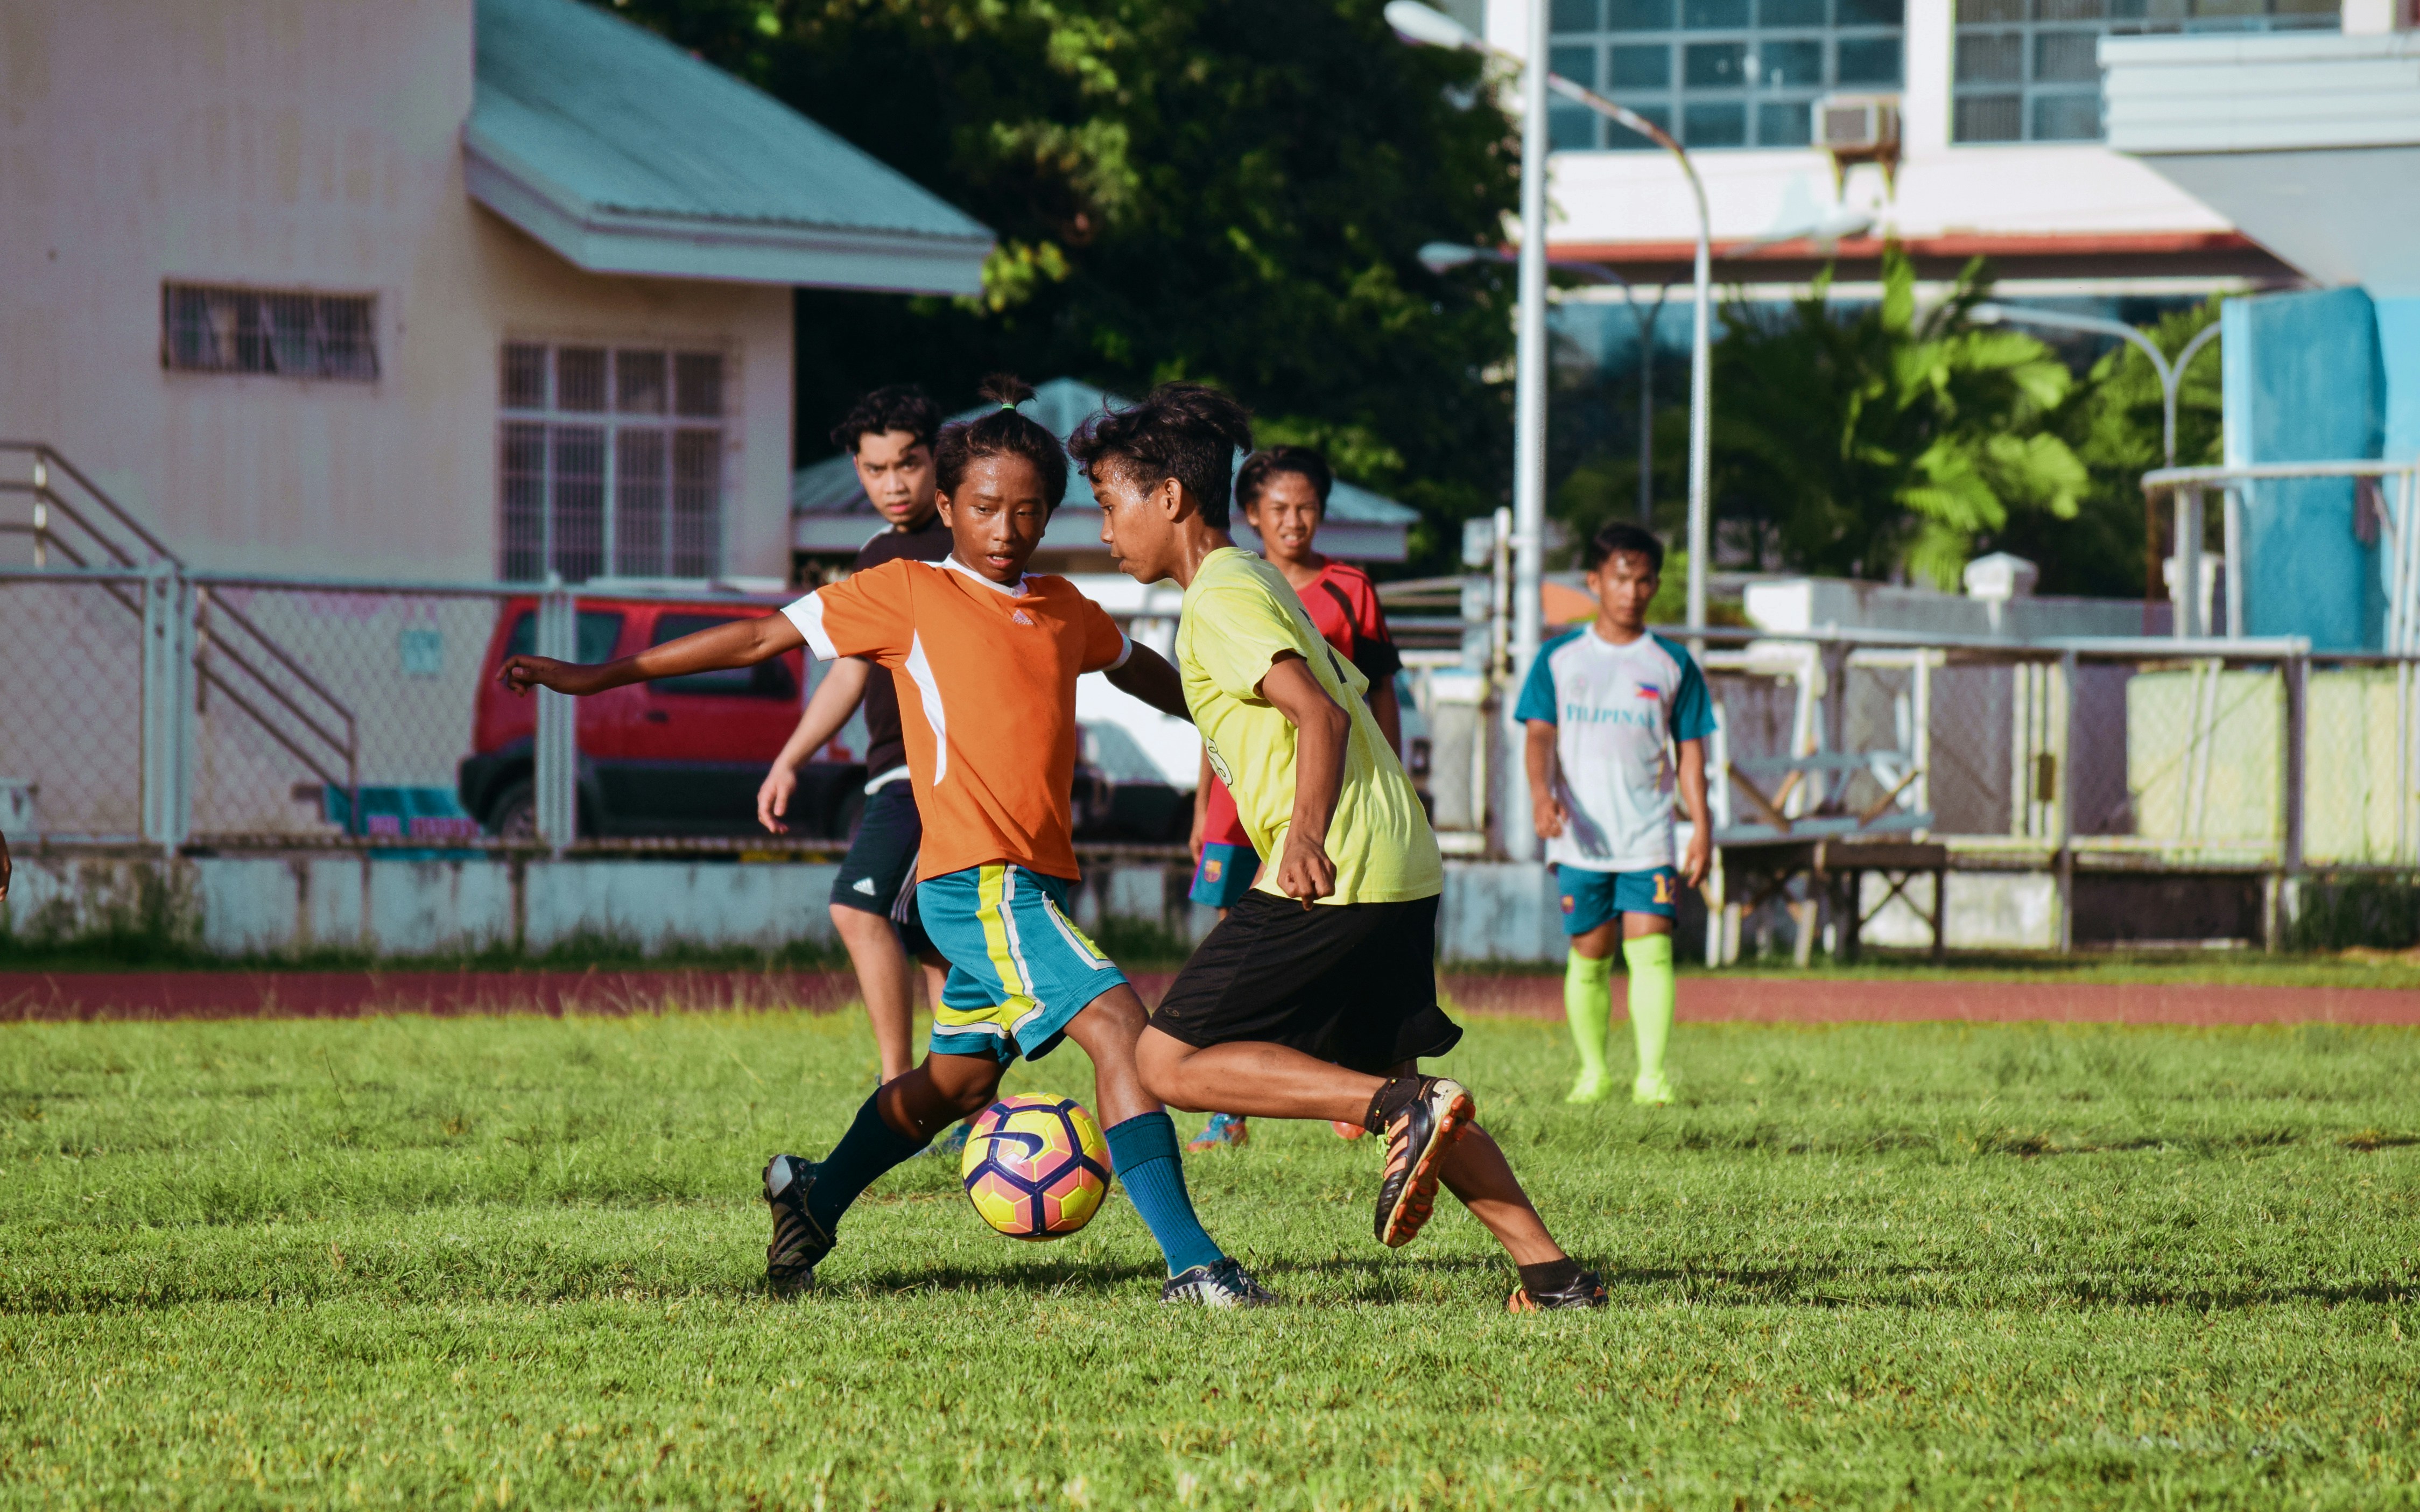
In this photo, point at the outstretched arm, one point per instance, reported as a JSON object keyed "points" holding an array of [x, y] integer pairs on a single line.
{"points": [[835, 698], [1148, 676], [1322, 731], [738, 643]]}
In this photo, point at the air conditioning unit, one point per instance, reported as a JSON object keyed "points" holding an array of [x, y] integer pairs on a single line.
{"points": [[1853, 129]]}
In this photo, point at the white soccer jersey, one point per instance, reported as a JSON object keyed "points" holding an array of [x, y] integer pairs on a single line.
{"points": [[1618, 711]]}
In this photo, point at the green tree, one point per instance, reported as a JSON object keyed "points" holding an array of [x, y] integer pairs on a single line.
{"points": [[1220, 190], [2112, 422], [1869, 441]]}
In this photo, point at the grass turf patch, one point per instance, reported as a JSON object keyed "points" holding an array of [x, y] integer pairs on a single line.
{"points": [[516, 1262]]}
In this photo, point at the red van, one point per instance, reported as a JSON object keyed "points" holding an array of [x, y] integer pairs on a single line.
{"points": [[681, 757]]}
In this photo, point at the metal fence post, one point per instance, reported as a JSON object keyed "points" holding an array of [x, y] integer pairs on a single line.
{"points": [[167, 707], [2289, 860], [558, 743], [2063, 775]]}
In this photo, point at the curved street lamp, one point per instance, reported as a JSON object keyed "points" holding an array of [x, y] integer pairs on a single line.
{"points": [[2188, 501]]}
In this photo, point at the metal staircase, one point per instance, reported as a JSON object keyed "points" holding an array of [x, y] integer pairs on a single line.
{"points": [[195, 642]]}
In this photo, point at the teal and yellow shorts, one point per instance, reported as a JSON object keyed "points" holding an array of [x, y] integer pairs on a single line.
{"points": [[1019, 969]]}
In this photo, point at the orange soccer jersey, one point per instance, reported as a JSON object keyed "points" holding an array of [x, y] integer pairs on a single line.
{"points": [[986, 678]]}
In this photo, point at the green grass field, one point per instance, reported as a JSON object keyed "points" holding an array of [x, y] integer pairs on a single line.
{"points": [[516, 1262]]}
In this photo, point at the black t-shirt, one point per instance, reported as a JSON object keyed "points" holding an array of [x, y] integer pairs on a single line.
{"points": [[885, 747]]}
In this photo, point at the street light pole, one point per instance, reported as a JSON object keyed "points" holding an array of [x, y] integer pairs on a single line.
{"points": [[1416, 23], [1519, 835]]}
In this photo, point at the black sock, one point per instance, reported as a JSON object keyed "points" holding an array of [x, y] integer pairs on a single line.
{"points": [[1390, 1100], [1552, 1275], [870, 1148]]}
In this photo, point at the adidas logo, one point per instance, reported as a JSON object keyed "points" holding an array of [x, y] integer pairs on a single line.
{"points": [[1020, 619], [865, 885]]}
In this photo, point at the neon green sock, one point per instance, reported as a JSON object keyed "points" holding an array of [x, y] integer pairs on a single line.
{"points": [[1587, 1003], [1650, 958]]}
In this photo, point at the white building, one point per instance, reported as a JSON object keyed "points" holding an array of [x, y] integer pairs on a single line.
{"points": [[2000, 148], [427, 288]]}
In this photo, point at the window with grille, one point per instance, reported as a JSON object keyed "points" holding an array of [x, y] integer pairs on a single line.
{"points": [[214, 330], [1720, 73], [2028, 71], [611, 463]]}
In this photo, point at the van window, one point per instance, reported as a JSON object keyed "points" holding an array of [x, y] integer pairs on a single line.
{"points": [[766, 679], [599, 631]]}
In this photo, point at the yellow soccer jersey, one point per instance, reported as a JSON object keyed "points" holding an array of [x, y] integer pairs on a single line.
{"points": [[1240, 615]]}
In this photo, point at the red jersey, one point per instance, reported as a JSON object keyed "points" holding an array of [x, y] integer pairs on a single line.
{"points": [[1342, 603]]}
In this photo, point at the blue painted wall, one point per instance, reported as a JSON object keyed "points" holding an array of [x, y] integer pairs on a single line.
{"points": [[2305, 381], [2399, 349]]}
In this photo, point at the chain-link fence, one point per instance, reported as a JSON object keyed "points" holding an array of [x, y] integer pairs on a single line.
{"points": [[146, 702]]}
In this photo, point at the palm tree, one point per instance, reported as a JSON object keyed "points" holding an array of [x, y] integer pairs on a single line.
{"points": [[1880, 440]]}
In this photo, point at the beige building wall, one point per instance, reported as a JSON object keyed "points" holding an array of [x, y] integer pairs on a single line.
{"points": [[308, 145]]}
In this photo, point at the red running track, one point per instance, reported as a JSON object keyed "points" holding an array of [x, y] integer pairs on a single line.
{"points": [[66, 996]]}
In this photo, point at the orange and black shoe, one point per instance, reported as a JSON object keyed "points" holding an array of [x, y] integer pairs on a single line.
{"points": [[1585, 1290], [800, 1243], [1418, 1136]]}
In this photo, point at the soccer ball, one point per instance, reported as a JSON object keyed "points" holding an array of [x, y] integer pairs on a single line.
{"points": [[1036, 1168]]}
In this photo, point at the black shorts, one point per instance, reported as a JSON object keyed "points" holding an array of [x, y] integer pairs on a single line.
{"points": [[1354, 984], [879, 874]]}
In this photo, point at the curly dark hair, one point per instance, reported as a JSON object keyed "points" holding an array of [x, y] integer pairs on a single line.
{"points": [[1303, 461], [898, 407], [1187, 432], [1002, 433]]}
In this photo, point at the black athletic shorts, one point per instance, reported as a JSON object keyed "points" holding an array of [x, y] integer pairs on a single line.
{"points": [[1352, 983], [879, 874]]}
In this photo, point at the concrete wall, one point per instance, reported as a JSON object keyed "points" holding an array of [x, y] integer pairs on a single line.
{"points": [[271, 143], [1492, 911], [2304, 382]]}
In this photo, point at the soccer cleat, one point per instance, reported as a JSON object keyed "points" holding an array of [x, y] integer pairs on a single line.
{"points": [[1590, 1088], [1651, 1092], [1223, 1284], [1222, 1129], [1417, 1140], [1586, 1290], [1345, 1131], [800, 1243]]}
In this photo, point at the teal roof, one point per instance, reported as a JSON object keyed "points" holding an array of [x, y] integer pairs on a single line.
{"points": [[831, 488], [627, 154]]}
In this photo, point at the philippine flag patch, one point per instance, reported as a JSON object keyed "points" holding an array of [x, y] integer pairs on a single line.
{"points": [[1648, 690]]}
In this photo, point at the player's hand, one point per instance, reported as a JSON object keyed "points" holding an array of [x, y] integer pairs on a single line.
{"points": [[773, 797], [521, 673], [1193, 841], [4, 868], [1546, 815], [1698, 859], [1304, 871]]}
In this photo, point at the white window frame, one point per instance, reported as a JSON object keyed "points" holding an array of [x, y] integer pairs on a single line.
{"points": [[533, 440]]}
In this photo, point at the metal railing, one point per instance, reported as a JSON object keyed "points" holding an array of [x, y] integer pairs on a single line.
{"points": [[191, 632]]}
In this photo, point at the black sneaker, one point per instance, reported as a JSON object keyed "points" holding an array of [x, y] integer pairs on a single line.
{"points": [[1586, 1290], [1221, 1285], [800, 1243], [1417, 1140]]}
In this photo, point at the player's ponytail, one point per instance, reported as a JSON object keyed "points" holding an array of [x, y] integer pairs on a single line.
{"points": [[1002, 433], [1187, 432]]}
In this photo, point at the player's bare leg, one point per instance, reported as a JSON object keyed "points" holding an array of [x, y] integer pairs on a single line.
{"points": [[885, 979]]}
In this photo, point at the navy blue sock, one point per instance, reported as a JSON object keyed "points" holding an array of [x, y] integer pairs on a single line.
{"points": [[1143, 1151], [870, 1148]]}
